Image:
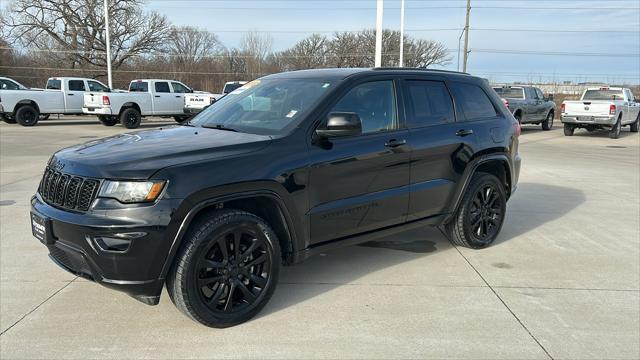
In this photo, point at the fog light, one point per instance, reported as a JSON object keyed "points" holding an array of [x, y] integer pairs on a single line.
{"points": [[116, 242]]}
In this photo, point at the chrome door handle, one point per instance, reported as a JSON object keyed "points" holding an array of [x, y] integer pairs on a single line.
{"points": [[463, 132], [395, 143]]}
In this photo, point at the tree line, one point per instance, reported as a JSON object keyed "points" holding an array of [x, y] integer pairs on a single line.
{"points": [[43, 38]]}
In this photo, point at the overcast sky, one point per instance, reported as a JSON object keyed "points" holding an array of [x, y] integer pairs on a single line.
{"points": [[228, 19]]}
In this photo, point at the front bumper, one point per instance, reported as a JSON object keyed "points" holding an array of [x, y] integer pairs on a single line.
{"points": [[97, 111], [608, 120], [74, 245]]}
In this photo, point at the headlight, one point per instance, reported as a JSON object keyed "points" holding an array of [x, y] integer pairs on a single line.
{"points": [[132, 191]]}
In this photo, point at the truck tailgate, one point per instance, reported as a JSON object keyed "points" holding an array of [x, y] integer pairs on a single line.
{"points": [[92, 100], [588, 108]]}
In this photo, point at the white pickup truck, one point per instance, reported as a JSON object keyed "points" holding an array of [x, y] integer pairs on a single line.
{"points": [[198, 101], [63, 95], [608, 108], [146, 97]]}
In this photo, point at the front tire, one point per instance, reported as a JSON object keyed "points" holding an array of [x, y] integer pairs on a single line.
{"points": [[480, 216], [568, 130], [27, 115], [130, 118], [226, 270], [614, 133], [547, 124]]}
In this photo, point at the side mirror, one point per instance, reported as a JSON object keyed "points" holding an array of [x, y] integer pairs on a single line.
{"points": [[341, 124], [549, 97]]}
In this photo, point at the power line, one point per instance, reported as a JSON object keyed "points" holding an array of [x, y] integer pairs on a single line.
{"points": [[559, 53]]}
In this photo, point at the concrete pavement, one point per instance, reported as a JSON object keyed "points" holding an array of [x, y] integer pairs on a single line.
{"points": [[561, 281]]}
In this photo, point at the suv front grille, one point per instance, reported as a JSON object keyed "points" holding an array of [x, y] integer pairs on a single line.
{"points": [[68, 191]]}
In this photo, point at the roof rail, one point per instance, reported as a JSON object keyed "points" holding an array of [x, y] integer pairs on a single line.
{"points": [[420, 69]]}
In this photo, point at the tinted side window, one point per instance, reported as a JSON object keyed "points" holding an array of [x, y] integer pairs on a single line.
{"points": [[374, 102], [473, 101], [428, 103], [96, 86], [179, 88], [139, 86], [162, 87], [54, 84], [76, 85], [539, 94]]}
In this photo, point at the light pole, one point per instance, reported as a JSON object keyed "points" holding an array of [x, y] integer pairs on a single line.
{"points": [[108, 43], [466, 37], [401, 33], [378, 59]]}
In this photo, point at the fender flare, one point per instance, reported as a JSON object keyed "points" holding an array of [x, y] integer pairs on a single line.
{"points": [[468, 173], [26, 102], [198, 207]]}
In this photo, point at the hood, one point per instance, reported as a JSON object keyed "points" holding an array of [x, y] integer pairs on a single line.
{"points": [[139, 155]]}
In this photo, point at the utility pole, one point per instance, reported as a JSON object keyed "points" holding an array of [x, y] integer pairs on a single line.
{"points": [[466, 37], [108, 44], [378, 60], [401, 33]]}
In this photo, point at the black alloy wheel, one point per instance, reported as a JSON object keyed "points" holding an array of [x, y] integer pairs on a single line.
{"points": [[227, 268], [234, 270], [130, 118], [27, 115], [485, 213]]}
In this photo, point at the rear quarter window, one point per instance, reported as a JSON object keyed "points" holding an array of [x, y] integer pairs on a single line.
{"points": [[473, 102]]}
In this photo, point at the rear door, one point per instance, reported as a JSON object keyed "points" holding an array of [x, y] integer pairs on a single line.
{"points": [[440, 146], [633, 107], [163, 100], [74, 95], [540, 106]]}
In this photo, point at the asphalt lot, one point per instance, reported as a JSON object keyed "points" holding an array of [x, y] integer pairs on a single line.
{"points": [[562, 280]]}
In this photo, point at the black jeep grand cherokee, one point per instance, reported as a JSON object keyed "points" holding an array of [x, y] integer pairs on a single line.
{"points": [[280, 169]]}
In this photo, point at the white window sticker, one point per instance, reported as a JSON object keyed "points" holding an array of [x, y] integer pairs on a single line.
{"points": [[292, 113]]}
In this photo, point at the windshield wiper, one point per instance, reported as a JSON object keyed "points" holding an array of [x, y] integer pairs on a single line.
{"points": [[219, 127]]}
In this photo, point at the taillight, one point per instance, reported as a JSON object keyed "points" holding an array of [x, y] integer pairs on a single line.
{"points": [[562, 108], [612, 109], [105, 100], [505, 102]]}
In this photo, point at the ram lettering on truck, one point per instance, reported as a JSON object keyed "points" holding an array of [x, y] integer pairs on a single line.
{"points": [[146, 97], [608, 108], [62, 96]]}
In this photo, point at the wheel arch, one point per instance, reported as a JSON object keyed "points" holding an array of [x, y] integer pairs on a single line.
{"points": [[264, 203], [129, 105], [24, 102], [495, 164]]}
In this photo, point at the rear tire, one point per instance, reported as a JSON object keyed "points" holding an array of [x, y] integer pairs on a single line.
{"points": [[480, 215], [568, 130], [27, 115], [8, 118], [634, 126], [130, 118], [547, 124], [614, 133], [226, 270], [518, 117], [108, 120]]}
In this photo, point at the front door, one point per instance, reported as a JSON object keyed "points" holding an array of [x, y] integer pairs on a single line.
{"points": [[360, 183]]}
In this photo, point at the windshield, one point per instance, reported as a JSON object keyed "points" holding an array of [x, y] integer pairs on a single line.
{"points": [[265, 107], [510, 92], [603, 95]]}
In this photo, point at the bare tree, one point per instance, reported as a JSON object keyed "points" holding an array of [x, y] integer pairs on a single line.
{"points": [[424, 53], [255, 47], [308, 53], [348, 49], [189, 46], [73, 30]]}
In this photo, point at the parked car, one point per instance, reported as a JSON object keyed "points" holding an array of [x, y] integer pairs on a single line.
{"points": [[62, 95], [232, 85], [608, 108], [146, 97], [528, 105], [199, 100], [292, 165], [10, 84]]}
